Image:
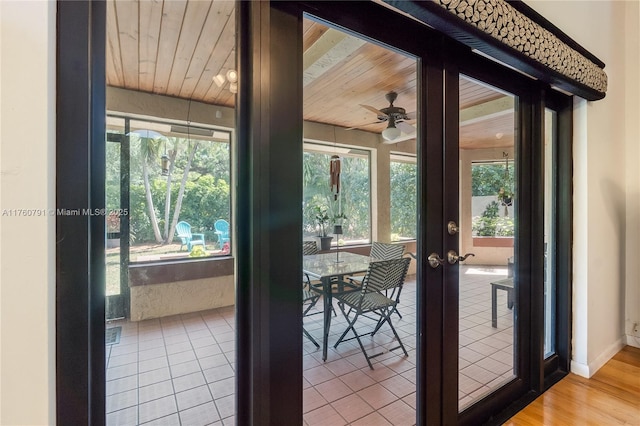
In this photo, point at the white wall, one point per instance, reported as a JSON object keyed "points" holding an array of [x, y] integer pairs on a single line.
{"points": [[632, 127], [27, 181], [606, 180]]}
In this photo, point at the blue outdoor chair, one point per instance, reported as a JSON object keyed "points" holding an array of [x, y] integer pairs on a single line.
{"points": [[183, 230], [222, 231]]}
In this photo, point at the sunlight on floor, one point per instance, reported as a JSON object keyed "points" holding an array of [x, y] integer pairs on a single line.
{"points": [[486, 270]]}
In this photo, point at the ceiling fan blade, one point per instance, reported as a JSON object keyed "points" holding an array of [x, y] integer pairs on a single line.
{"points": [[406, 127], [374, 110], [364, 125]]}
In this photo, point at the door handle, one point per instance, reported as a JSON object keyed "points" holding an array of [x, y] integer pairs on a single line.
{"points": [[452, 257], [435, 260]]}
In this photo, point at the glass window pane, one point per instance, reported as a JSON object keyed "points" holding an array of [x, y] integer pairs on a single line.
{"points": [[404, 213], [321, 210], [488, 282], [549, 233], [181, 174]]}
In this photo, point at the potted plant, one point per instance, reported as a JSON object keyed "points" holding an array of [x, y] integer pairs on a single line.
{"points": [[505, 194], [505, 197], [322, 218], [338, 220]]}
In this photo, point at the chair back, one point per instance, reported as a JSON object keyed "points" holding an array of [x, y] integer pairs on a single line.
{"points": [[222, 226], [385, 275], [309, 247], [183, 229], [383, 251]]}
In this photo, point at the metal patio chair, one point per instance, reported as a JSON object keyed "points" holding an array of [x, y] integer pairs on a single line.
{"points": [[382, 276]]}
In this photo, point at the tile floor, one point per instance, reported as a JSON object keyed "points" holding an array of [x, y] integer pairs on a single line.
{"points": [[180, 370]]}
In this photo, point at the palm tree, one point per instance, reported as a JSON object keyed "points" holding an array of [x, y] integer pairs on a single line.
{"points": [[192, 147], [149, 147], [150, 143]]}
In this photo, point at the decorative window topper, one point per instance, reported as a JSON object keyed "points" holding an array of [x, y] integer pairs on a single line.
{"points": [[557, 59]]}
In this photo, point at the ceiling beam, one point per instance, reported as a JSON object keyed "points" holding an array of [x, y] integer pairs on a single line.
{"points": [[328, 51], [487, 110]]}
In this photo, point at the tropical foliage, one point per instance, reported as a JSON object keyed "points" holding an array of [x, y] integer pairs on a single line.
{"points": [[196, 188], [491, 224], [354, 199], [404, 213], [489, 178]]}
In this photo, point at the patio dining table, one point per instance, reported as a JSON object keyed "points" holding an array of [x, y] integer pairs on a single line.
{"points": [[326, 267]]}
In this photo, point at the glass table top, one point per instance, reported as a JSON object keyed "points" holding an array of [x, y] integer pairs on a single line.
{"points": [[329, 264]]}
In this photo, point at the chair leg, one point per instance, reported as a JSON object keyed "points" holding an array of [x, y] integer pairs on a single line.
{"points": [[306, 333], [397, 312], [397, 301], [350, 327], [387, 315], [357, 336], [310, 305], [367, 357]]}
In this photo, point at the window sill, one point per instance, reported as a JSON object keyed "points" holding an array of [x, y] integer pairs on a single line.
{"points": [[180, 270], [493, 241]]}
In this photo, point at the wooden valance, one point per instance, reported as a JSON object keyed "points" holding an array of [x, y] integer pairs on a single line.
{"points": [[515, 34]]}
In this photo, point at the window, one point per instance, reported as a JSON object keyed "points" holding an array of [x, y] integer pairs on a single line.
{"points": [[403, 176], [491, 205], [179, 187], [354, 200]]}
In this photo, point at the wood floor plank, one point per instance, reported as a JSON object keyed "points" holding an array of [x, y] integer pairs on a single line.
{"points": [[630, 355], [610, 397]]}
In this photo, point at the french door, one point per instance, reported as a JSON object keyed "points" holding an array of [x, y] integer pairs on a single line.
{"points": [[471, 326]]}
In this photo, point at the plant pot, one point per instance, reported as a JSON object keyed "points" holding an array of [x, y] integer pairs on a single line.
{"points": [[325, 243]]}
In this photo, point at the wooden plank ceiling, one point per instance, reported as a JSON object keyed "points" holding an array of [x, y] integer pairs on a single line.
{"points": [[177, 47]]}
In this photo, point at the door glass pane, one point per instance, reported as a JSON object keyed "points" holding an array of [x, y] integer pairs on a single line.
{"points": [[171, 94], [488, 282], [345, 82], [549, 232]]}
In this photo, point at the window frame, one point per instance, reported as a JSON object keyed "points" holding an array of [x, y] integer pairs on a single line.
{"points": [[150, 264]]}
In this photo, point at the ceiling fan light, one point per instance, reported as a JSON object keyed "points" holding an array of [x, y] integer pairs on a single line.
{"points": [[391, 133], [232, 76], [233, 87]]}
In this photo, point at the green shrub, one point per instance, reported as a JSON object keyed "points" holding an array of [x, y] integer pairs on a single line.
{"points": [[491, 225]]}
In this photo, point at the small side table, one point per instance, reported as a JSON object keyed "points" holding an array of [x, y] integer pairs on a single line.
{"points": [[506, 285]]}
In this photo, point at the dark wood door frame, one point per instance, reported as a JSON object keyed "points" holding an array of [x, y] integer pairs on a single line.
{"points": [[269, 252], [80, 173]]}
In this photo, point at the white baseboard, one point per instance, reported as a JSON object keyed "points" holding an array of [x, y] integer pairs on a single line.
{"points": [[589, 370], [580, 369], [632, 341]]}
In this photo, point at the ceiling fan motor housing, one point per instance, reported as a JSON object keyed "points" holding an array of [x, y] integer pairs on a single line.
{"points": [[397, 113]]}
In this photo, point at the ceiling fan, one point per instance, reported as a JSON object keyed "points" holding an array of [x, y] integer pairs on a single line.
{"points": [[395, 116]]}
